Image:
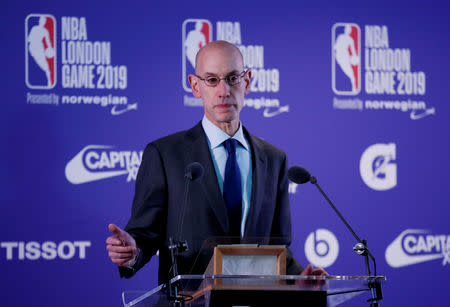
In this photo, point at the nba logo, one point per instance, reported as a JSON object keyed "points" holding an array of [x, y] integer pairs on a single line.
{"points": [[40, 51], [196, 34], [346, 58]]}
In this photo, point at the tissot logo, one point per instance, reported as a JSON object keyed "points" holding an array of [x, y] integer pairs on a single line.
{"points": [[40, 51], [96, 162], [377, 166], [48, 250], [414, 246]]}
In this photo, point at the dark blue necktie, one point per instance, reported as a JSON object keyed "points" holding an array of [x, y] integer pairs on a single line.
{"points": [[232, 190]]}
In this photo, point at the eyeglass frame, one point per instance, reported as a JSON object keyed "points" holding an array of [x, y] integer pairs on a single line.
{"points": [[240, 75]]}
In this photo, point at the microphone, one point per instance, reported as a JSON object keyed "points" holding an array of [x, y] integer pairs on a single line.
{"points": [[300, 175], [193, 171]]}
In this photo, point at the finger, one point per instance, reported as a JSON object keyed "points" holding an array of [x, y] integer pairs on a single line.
{"points": [[121, 249], [316, 271], [121, 256], [115, 229], [307, 270], [122, 235], [114, 240], [319, 272]]}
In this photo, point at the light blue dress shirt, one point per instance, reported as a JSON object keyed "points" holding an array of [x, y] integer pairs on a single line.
{"points": [[216, 137]]}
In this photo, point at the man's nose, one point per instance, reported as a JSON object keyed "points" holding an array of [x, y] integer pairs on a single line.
{"points": [[223, 89]]}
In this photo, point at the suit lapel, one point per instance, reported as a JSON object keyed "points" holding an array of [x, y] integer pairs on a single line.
{"points": [[258, 166], [199, 152]]}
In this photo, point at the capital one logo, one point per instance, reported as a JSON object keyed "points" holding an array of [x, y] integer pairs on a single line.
{"points": [[346, 58], [321, 248], [414, 246], [196, 34], [377, 167], [96, 162], [40, 51]]}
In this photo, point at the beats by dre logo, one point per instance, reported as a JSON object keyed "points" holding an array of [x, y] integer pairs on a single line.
{"points": [[321, 248]]}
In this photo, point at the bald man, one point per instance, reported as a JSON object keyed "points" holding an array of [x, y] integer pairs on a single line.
{"points": [[262, 207]]}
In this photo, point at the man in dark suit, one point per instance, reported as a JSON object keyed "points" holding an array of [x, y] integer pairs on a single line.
{"points": [[260, 208]]}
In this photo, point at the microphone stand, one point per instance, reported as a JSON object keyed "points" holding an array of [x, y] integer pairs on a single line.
{"points": [[194, 171], [361, 249], [176, 247]]}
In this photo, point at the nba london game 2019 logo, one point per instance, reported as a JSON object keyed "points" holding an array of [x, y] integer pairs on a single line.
{"points": [[196, 33], [346, 59], [376, 78], [40, 51], [265, 81], [82, 64]]}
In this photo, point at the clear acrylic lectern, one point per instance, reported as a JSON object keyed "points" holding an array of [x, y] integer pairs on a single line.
{"points": [[255, 291]]}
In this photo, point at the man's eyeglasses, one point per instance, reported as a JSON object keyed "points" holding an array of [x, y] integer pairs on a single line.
{"points": [[231, 80]]}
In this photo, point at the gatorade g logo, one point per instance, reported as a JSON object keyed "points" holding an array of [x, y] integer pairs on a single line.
{"points": [[321, 248], [377, 167]]}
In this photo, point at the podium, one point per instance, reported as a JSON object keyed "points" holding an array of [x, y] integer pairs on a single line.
{"points": [[255, 291]]}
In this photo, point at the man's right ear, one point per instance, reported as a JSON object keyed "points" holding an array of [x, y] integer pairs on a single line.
{"points": [[193, 81]]}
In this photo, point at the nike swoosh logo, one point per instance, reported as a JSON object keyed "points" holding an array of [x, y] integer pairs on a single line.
{"points": [[274, 113], [415, 116], [129, 107], [77, 173]]}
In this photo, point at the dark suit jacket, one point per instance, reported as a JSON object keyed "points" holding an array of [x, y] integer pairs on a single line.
{"points": [[159, 197]]}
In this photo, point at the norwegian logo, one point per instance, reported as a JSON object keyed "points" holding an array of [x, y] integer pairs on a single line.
{"points": [[196, 34], [321, 248], [40, 51], [346, 59], [377, 166], [414, 246], [96, 162]]}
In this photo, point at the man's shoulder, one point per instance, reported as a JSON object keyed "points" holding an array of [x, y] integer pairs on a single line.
{"points": [[177, 139], [265, 147]]}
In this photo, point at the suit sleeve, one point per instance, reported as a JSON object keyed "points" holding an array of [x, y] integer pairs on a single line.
{"points": [[149, 211], [281, 226]]}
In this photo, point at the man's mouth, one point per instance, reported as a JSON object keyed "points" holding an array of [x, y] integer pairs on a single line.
{"points": [[224, 106]]}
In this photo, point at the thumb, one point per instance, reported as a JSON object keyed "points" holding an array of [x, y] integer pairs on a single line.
{"points": [[115, 229], [307, 270]]}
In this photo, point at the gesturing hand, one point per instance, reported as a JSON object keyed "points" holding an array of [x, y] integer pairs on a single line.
{"points": [[121, 247], [310, 271], [312, 284]]}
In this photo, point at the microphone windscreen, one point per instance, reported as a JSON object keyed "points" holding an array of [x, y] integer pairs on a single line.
{"points": [[194, 171], [298, 175]]}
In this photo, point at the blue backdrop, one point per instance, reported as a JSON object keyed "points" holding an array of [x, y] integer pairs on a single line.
{"points": [[356, 93]]}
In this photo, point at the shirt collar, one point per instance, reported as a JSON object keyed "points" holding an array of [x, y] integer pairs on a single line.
{"points": [[217, 136]]}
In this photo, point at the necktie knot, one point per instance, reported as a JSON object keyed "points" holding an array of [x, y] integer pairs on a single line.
{"points": [[230, 145]]}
